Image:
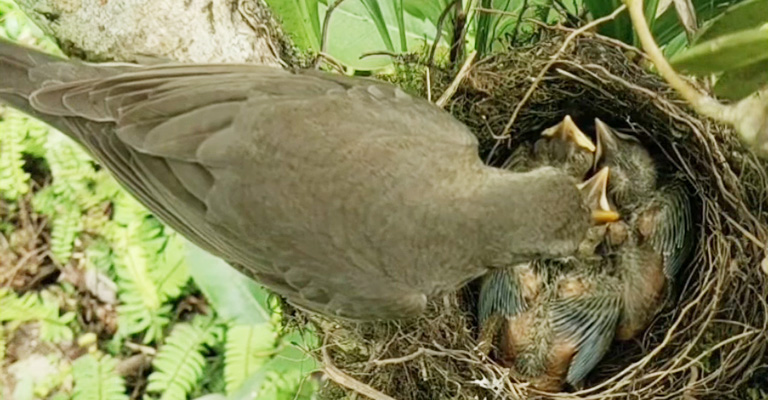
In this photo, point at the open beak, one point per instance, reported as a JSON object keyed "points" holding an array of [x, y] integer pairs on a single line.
{"points": [[568, 131], [595, 191]]}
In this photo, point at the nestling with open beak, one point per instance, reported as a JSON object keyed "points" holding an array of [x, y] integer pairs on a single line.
{"points": [[563, 146]]}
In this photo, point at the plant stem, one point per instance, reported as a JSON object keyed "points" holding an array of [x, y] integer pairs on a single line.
{"points": [[700, 102]]}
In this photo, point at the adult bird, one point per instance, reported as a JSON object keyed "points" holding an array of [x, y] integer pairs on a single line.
{"points": [[347, 196]]}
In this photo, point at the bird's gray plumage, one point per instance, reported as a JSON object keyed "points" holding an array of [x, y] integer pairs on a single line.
{"points": [[347, 196]]}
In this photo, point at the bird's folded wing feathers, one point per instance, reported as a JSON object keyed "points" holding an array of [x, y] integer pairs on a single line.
{"points": [[673, 237], [589, 322], [501, 294]]}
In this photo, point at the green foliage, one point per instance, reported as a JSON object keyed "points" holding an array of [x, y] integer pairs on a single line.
{"points": [[95, 379], [300, 19], [356, 27], [20, 136], [180, 363], [41, 308], [89, 214], [735, 50], [732, 45], [738, 83], [248, 347], [234, 297], [618, 28], [258, 358], [740, 17]]}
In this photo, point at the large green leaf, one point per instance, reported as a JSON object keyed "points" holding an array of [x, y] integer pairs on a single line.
{"points": [[352, 32], [235, 297], [743, 16], [400, 16], [374, 11], [741, 82], [725, 53], [300, 19], [618, 28], [502, 22], [291, 364], [667, 26]]}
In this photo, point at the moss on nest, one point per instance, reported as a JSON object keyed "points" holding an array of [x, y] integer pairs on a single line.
{"points": [[711, 337]]}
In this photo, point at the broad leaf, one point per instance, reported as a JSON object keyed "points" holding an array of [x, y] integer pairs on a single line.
{"points": [[741, 82], [234, 296], [301, 21], [667, 26], [291, 364], [725, 53], [352, 33], [620, 27], [374, 11], [743, 16]]}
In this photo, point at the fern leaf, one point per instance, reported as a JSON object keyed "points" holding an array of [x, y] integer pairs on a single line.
{"points": [[71, 167], [33, 307], [247, 348], [179, 364], [13, 179], [141, 307], [45, 201], [65, 228], [171, 273], [96, 379]]}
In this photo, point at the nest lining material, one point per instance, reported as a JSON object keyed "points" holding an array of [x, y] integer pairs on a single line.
{"points": [[709, 340]]}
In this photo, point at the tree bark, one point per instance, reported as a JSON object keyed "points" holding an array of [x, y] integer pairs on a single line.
{"points": [[181, 30]]}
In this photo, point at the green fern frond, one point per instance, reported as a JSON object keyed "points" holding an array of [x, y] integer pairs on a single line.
{"points": [[126, 210], [65, 228], [96, 379], [141, 307], [45, 202], [150, 263], [72, 169], [247, 348], [99, 255], [33, 307], [134, 269], [179, 364], [13, 179], [170, 273], [291, 384]]}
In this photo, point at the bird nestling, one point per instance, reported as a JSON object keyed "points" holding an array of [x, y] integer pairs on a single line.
{"points": [[552, 320]]}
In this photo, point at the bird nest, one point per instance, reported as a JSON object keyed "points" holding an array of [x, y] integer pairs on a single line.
{"points": [[708, 342]]}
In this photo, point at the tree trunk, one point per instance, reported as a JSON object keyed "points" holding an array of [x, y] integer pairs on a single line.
{"points": [[181, 30]]}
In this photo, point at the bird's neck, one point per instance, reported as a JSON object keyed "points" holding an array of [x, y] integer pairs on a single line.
{"points": [[522, 216]]}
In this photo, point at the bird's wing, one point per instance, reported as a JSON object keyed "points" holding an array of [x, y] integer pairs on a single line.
{"points": [[501, 294], [673, 228], [194, 142], [589, 322]]}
